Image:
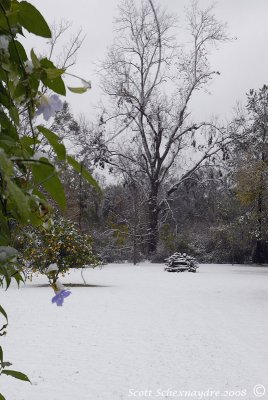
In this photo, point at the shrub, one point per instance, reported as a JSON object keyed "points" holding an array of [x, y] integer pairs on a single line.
{"points": [[61, 244]]}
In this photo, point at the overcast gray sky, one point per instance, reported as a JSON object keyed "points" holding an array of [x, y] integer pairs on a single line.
{"points": [[243, 63]]}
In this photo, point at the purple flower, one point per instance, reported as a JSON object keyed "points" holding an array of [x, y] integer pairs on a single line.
{"points": [[48, 106], [60, 296]]}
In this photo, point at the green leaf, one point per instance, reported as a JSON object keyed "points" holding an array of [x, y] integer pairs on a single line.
{"points": [[18, 202], [16, 374], [28, 141], [78, 90], [4, 231], [83, 171], [13, 16], [2, 311], [7, 127], [18, 278], [2, 397], [46, 63], [3, 75], [20, 90], [34, 83], [1, 355], [9, 18], [6, 166], [53, 73], [6, 4], [35, 60], [9, 141], [17, 51], [57, 84], [4, 272], [32, 20], [6, 67], [3, 23], [40, 195], [14, 115], [4, 97], [53, 140], [46, 176]]}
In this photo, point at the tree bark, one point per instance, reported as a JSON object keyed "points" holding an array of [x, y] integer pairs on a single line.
{"points": [[153, 213]]}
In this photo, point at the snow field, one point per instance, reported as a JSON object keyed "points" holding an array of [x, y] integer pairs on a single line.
{"points": [[140, 332]]}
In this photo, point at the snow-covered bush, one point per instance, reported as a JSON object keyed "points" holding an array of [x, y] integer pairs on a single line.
{"points": [[61, 244]]}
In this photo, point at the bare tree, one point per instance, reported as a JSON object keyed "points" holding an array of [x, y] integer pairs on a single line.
{"points": [[150, 81], [69, 48]]}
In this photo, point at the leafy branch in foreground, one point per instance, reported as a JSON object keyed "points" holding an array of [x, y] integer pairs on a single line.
{"points": [[28, 180]]}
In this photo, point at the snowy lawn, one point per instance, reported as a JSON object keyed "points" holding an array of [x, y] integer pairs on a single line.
{"points": [[140, 332]]}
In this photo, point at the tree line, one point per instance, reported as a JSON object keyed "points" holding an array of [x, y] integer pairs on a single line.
{"points": [[219, 213]]}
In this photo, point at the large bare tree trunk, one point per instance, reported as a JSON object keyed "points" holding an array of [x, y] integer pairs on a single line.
{"points": [[153, 213]]}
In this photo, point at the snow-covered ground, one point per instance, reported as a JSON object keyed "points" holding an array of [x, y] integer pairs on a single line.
{"points": [[140, 332]]}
